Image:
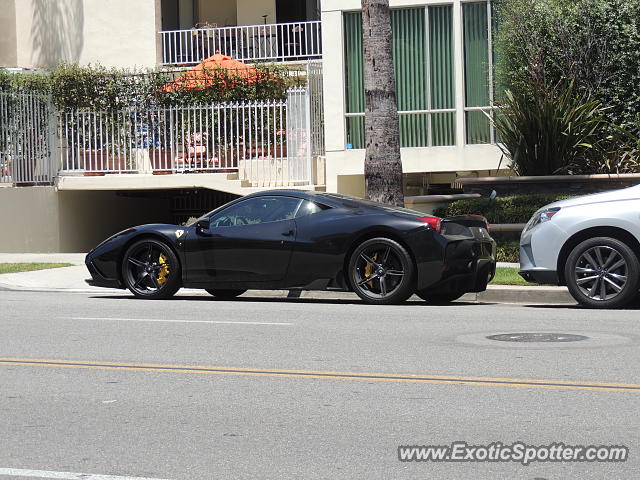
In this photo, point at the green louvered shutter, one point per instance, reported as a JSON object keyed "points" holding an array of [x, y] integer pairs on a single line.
{"points": [[442, 74], [410, 64], [354, 83], [476, 67], [424, 72]]}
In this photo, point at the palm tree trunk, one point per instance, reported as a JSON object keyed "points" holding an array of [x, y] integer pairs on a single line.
{"points": [[382, 165]]}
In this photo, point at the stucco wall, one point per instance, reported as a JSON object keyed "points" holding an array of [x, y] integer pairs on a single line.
{"points": [[40, 219], [250, 11], [220, 13], [8, 52], [30, 219], [110, 32]]}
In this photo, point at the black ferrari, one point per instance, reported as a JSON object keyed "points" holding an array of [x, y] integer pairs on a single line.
{"points": [[306, 241]]}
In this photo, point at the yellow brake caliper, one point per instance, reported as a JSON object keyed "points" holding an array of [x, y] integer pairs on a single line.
{"points": [[164, 271], [368, 270]]}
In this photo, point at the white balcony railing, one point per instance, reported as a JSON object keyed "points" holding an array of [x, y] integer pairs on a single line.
{"points": [[26, 139], [266, 143], [269, 42]]}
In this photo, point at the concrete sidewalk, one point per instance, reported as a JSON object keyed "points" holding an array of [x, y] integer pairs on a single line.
{"points": [[72, 280], [73, 258]]}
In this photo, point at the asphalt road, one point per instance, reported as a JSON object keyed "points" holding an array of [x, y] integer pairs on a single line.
{"points": [[195, 388]]}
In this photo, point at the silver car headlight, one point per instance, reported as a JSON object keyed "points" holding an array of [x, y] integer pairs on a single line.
{"points": [[541, 216]]}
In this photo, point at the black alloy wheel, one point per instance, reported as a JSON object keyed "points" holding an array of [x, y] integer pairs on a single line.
{"points": [[381, 272], [151, 270]]}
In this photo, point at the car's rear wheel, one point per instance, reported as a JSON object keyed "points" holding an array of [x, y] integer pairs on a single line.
{"points": [[224, 294], [439, 298], [381, 271], [602, 273], [151, 270]]}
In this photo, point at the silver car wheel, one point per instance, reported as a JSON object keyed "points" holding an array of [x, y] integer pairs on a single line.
{"points": [[601, 273]]}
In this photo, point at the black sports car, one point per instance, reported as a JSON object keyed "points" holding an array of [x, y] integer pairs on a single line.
{"points": [[302, 240]]}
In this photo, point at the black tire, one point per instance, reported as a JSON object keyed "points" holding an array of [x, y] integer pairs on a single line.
{"points": [[151, 270], [602, 272], [224, 294], [381, 272], [439, 298]]}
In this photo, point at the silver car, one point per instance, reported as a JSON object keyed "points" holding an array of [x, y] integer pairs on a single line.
{"points": [[591, 244]]}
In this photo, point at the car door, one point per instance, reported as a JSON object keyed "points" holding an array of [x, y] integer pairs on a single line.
{"points": [[249, 241]]}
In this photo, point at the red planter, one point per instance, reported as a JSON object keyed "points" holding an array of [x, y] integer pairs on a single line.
{"points": [[99, 162], [162, 161]]}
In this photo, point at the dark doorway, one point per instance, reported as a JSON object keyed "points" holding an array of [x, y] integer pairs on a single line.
{"points": [[291, 11], [170, 15]]}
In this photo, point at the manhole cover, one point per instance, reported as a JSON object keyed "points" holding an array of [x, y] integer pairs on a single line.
{"points": [[537, 337]]}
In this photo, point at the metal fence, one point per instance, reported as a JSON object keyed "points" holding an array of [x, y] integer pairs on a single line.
{"points": [[26, 138], [266, 143], [261, 144], [277, 41], [315, 91]]}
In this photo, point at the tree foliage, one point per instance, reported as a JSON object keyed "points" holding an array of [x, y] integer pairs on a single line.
{"points": [[581, 55]]}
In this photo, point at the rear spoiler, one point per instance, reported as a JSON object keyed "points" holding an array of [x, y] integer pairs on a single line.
{"points": [[477, 221]]}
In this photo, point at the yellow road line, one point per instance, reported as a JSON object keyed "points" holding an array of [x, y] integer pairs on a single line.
{"points": [[326, 375]]}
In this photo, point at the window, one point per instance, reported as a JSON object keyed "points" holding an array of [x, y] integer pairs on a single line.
{"points": [[309, 208], [424, 70], [478, 67], [257, 210]]}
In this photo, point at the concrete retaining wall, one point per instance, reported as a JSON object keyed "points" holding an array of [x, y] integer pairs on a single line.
{"points": [[41, 219]]}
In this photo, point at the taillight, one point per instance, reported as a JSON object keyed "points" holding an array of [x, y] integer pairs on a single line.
{"points": [[433, 222]]}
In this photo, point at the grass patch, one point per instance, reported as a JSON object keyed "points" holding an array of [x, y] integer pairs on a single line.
{"points": [[509, 276], [29, 267]]}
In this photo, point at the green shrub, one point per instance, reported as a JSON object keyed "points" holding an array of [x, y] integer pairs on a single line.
{"points": [[546, 131], [514, 209], [72, 86], [508, 252]]}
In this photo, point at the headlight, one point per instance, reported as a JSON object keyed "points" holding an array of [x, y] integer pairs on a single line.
{"points": [[541, 216]]}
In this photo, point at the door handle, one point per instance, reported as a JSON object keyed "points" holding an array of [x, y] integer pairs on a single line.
{"points": [[288, 233]]}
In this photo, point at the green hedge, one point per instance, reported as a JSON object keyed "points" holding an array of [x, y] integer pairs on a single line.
{"points": [[508, 252], [515, 209], [72, 86]]}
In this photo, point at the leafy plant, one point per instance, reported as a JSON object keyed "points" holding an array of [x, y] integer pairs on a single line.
{"points": [[508, 252], [548, 131], [99, 88]]}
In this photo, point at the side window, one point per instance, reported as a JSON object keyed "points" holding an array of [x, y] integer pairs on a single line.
{"points": [[257, 210], [309, 208]]}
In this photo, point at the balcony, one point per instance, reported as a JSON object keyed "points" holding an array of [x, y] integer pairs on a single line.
{"points": [[277, 42]]}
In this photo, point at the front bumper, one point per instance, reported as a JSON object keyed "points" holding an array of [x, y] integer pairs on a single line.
{"points": [[549, 277], [539, 249], [98, 279]]}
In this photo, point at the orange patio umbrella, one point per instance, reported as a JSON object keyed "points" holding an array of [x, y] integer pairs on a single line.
{"points": [[203, 74]]}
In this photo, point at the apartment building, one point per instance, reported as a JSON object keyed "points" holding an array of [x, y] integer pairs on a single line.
{"points": [[442, 55]]}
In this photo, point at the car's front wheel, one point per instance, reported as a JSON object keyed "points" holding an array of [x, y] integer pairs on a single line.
{"points": [[381, 271], [224, 294], [151, 270], [602, 272]]}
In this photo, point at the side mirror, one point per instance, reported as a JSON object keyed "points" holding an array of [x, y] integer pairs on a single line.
{"points": [[203, 224]]}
